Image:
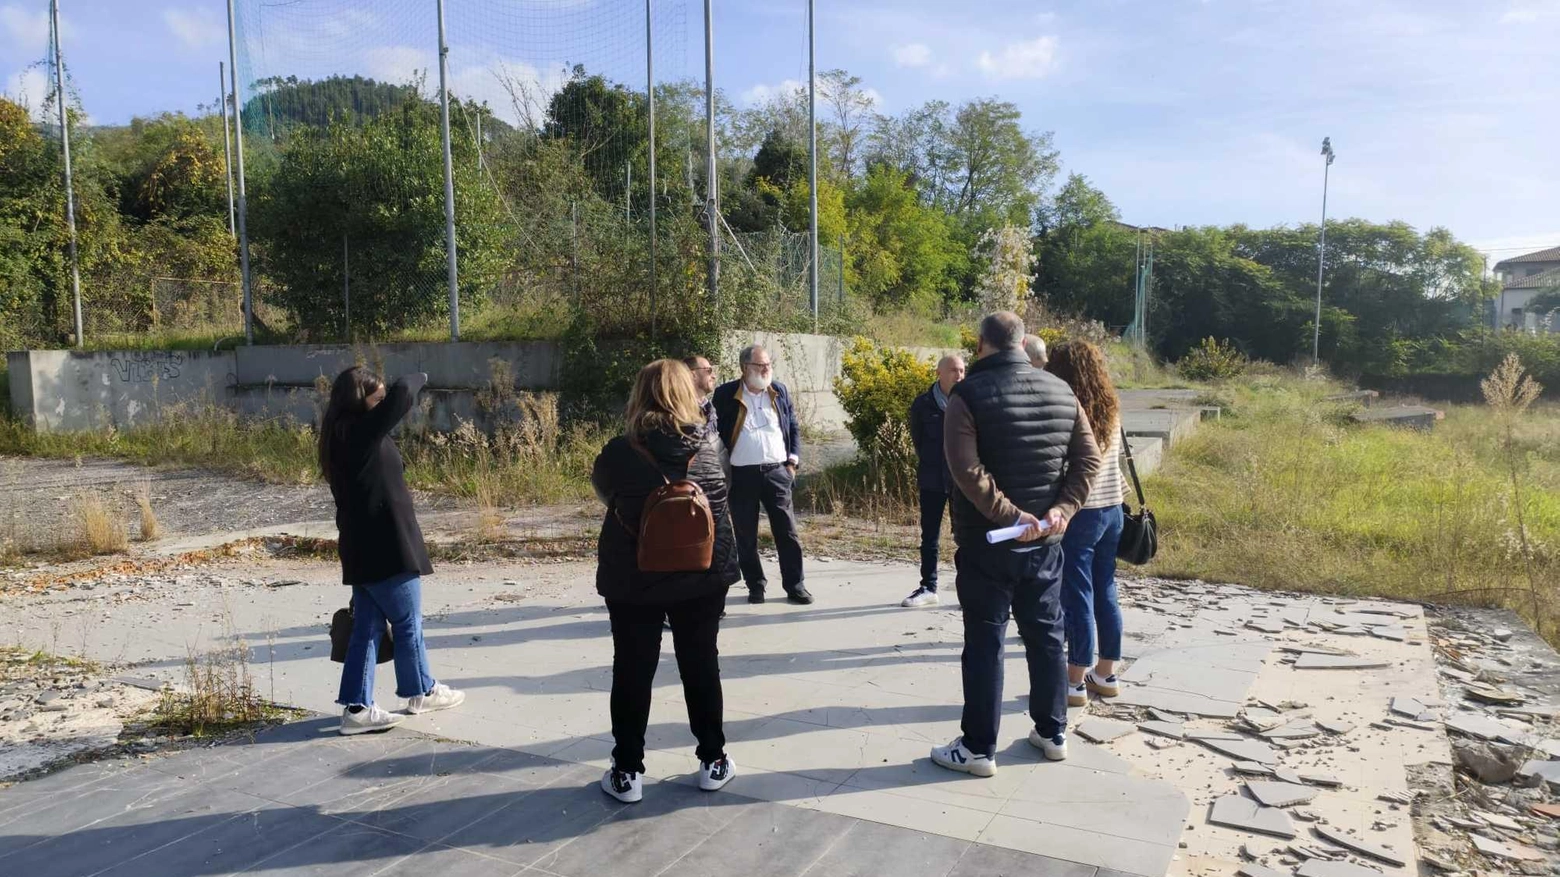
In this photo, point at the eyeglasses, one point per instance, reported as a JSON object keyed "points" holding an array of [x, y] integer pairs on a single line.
{"points": [[761, 366], [707, 368]]}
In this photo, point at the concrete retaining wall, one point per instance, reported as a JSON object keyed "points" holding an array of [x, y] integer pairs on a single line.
{"points": [[65, 390], [70, 390]]}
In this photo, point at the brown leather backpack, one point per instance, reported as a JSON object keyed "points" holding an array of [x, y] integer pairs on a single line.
{"points": [[676, 525]]}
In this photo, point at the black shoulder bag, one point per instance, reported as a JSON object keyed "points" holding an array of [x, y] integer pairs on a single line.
{"points": [[1139, 532], [341, 635]]}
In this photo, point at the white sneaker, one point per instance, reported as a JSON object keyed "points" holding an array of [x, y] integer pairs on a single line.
{"points": [[622, 785], [367, 721], [1104, 686], [714, 775], [1055, 748], [442, 697], [1077, 695], [921, 597], [955, 756]]}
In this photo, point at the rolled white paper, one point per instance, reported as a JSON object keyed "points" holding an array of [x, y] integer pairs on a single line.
{"points": [[1005, 534]]}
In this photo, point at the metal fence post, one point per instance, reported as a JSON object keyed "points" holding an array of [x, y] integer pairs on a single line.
{"points": [[70, 192], [449, 179]]}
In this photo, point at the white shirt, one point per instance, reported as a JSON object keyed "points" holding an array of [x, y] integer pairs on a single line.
{"points": [[760, 440]]}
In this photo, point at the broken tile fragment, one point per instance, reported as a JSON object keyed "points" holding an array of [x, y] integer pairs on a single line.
{"points": [[1321, 779], [1335, 728], [1205, 734], [1102, 730], [1271, 794], [1407, 707], [1234, 811], [1509, 851], [1295, 731], [1251, 869], [1285, 775], [1243, 750], [1391, 632], [1320, 868], [1550, 810], [1164, 729], [1477, 726], [1490, 694], [1160, 715], [1336, 662], [1359, 845], [1252, 768], [1265, 626], [1548, 771]]}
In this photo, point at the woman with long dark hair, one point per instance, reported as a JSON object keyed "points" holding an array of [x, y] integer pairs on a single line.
{"points": [[382, 553], [667, 439], [1089, 545]]}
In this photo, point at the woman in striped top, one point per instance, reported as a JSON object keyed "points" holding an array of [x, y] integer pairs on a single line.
{"points": [[1089, 545]]}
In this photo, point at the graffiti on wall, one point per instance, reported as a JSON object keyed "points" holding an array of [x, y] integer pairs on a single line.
{"points": [[145, 366]]}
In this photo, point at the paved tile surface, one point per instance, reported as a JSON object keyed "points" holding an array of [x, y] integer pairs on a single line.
{"points": [[831, 710]]}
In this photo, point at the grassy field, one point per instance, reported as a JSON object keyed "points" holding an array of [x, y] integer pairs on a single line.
{"points": [[1285, 492]]}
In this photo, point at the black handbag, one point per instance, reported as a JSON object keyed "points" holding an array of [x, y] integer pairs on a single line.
{"points": [[1139, 532], [341, 636]]}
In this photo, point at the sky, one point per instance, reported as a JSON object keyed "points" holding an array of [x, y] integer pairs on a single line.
{"points": [[1185, 112]]}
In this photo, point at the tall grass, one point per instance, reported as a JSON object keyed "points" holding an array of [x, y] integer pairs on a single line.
{"points": [[1286, 492]]}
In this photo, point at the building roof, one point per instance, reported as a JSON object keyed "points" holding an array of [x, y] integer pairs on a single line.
{"points": [[1550, 255], [1550, 278]]}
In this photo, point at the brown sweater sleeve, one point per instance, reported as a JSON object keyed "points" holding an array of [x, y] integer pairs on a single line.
{"points": [[1083, 463], [968, 473]]}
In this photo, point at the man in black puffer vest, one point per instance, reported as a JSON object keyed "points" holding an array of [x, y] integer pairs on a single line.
{"points": [[1020, 452]]}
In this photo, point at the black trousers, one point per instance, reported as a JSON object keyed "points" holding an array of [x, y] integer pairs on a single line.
{"points": [[995, 583], [933, 502], [769, 486], [636, 651]]}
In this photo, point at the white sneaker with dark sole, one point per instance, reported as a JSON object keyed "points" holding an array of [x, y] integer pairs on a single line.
{"points": [[1055, 748], [955, 756], [921, 597], [622, 785], [1077, 695], [369, 720], [442, 697], [714, 775]]}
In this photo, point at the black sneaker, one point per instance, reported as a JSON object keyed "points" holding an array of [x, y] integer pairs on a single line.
{"points": [[799, 595], [755, 595]]}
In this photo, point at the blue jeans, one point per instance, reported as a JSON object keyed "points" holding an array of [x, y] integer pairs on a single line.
{"points": [[933, 502], [1089, 584], [996, 583], [399, 600]]}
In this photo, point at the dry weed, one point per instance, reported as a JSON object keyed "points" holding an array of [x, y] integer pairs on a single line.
{"points": [[100, 529], [150, 527]]}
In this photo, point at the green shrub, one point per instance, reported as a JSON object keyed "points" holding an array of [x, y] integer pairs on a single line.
{"points": [[875, 387], [1212, 360]]}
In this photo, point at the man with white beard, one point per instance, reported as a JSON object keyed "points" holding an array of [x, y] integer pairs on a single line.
{"points": [[759, 429]]}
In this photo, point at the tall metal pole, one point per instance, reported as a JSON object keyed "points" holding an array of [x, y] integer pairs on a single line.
{"points": [[346, 292], [812, 167], [70, 192], [650, 95], [243, 201], [227, 147], [711, 182], [1321, 253], [449, 179]]}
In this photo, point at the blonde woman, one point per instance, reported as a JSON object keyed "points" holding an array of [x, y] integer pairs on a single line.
{"points": [[667, 438]]}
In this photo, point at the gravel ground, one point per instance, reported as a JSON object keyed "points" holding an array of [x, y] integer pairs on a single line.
{"points": [[37, 499]]}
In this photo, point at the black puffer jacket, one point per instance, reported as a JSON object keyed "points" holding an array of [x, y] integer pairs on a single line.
{"points": [[623, 478]]}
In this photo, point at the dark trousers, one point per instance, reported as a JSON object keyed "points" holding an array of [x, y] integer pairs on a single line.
{"points": [[636, 651], [994, 583], [769, 486], [933, 502]]}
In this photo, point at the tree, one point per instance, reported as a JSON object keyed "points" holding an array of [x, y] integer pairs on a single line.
{"points": [[999, 169], [606, 123], [378, 187], [901, 252], [851, 107], [285, 103], [1084, 255]]}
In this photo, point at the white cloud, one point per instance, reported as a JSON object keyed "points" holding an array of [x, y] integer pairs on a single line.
{"points": [[913, 55], [27, 30], [29, 88], [398, 65], [761, 93], [1030, 59], [195, 28], [517, 92], [1529, 11]]}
